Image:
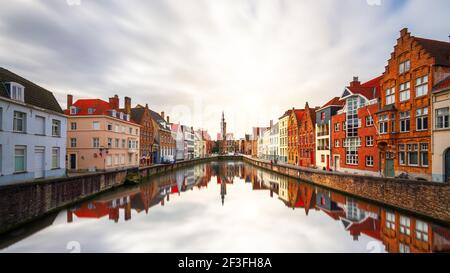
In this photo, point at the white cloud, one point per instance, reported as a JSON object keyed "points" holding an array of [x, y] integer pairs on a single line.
{"points": [[193, 58]]}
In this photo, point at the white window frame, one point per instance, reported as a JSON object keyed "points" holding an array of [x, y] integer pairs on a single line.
{"points": [[96, 125], [390, 95], [96, 142], [369, 161], [17, 92], [21, 117], [422, 86], [405, 91], [56, 151], [73, 142], [405, 121], [56, 128], [422, 119], [24, 156]]}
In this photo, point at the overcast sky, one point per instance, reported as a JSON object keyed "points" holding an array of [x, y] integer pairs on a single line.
{"points": [[193, 59]]}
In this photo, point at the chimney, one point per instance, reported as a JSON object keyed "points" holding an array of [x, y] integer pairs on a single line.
{"points": [[162, 114], [404, 31], [146, 105], [271, 123], [168, 119], [114, 102], [69, 100], [355, 82], [127, 106]]}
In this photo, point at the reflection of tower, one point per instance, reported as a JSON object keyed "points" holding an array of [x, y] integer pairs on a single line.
{"points": [[223, 189]]}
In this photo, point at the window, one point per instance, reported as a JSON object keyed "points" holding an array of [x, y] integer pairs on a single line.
{"points": [[404, 121], [421, 86], [130, 130], [116, 128], [116, 160], [422, 119], [20, 153], [73, 142], [421, 231], [17, 92], [39, 123], [56, 128], [424, 154], [322, 116], [351, 155], [369, 161], [442, 118], [413, 156], [322, 158], [19, 123], [55, 157], [109, 142], [337, 127], [383, 124], [109, 127], [73, 110], [404, 66], [108, 160], [393, 122], [369, 121], [404, 248], [336, 143], [390, 220], [123, 143], [405, 91], [117, 143], [401, 154], [96, 125], [390, 96], [369, 141], [405, 225], [73, 125], [96, 142]]}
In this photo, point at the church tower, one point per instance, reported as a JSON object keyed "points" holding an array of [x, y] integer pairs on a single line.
{"points": [[223, 132]]}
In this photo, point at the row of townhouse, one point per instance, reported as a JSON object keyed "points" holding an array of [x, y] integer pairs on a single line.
{"points": [[38, 139], [394, 125]]}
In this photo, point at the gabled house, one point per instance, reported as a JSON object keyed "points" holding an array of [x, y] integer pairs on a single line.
{"points": [[141, 115], [33, 131], [354, 131]]}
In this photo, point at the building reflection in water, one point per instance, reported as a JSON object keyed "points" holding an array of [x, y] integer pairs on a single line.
{"points": [[397, 231]]}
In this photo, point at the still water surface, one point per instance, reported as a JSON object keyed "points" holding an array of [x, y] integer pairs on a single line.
{"points": [[227, 207]]}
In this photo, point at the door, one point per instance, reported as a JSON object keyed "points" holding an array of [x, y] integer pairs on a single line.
{"points": [[390, 168], [328, 162], [447, 165], [39, 162], [336, 163], [73, 161]]}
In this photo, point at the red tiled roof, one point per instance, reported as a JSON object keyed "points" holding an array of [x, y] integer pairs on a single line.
{"points": [[367, 89], [444, 84], [333, 101]]}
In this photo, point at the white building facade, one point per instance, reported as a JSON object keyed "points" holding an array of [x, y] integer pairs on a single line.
{"points": [[33, 131]]}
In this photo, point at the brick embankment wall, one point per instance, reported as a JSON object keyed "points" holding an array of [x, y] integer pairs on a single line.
{"points": [[27, 201], [427, 199]]}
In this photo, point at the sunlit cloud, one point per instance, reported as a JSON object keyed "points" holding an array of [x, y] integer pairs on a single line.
{"points": [[195, 58]]}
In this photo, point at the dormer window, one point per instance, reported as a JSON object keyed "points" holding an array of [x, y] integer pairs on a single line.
{"points": [[73, 110], [16, 91], [404, 67], [113, 113], [91, 111], [121, 115]]}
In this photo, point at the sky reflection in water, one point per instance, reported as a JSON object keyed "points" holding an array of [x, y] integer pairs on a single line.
{"points": [[225, 207]]}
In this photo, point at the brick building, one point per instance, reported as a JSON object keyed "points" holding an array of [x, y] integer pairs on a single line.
{"points": [[293, 135], [353, 130], [141, 115], [164, 146], [415, 66], [307, 137]]}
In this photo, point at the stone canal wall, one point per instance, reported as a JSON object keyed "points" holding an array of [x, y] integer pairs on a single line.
{"points": [[24, 202], [427, 199]]}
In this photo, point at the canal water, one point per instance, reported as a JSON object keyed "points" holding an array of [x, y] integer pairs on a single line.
{"points": [[226, 207]]}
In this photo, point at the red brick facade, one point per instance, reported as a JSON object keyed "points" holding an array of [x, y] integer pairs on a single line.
{"points": [[307, 138], [353, 148], [404, 120]]}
